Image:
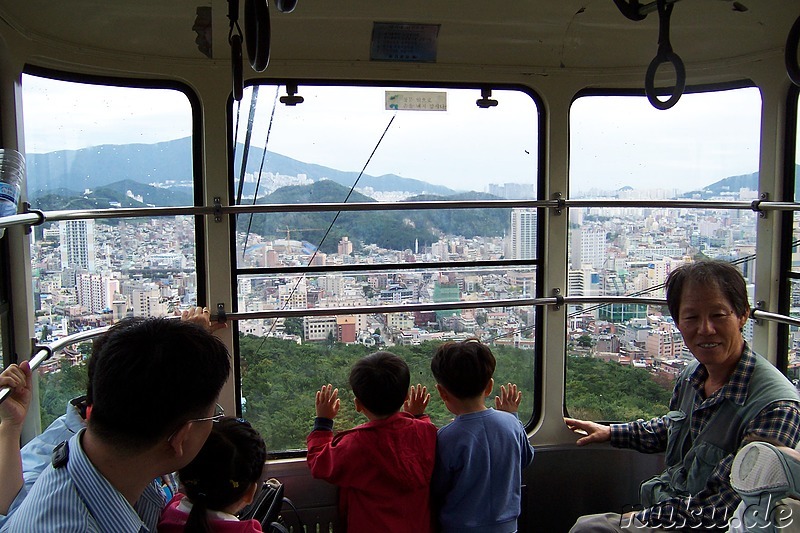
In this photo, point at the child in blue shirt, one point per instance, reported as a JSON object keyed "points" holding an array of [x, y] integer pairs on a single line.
{"points": [[477, 480]]}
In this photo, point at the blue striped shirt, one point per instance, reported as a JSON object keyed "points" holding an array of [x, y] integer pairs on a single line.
{"points": [[75, 497], [37, 453]]}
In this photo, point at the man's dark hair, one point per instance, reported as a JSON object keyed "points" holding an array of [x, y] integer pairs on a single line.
{"points": [[463, 368], [151, 377], [724, 276], [97, 345], [380, 381]]}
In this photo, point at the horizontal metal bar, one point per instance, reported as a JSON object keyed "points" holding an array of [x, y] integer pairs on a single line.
{"points": [[43, 353], [440, 306], [667, 204], [778, 206], [614, 300], [129, 212], [389, 206], [758, 314], [380, 267], [376, 309], [55, 216], [22, 219]]}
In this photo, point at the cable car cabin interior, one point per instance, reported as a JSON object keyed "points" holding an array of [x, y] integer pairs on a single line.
{"points": [[336, 178]]}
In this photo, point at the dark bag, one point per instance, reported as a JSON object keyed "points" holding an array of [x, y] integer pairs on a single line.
{"points": [[266, 507]]}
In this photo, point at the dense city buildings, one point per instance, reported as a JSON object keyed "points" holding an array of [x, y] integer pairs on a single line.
{"points": [[89, 273]]}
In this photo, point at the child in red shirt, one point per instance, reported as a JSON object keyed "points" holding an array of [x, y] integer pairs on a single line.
{"points": [[384, 467]]}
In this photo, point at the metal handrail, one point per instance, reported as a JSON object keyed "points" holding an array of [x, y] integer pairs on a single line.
{"points": [[758, 314], [39, 217], [481, 264], [399, 308], [43, 353]]}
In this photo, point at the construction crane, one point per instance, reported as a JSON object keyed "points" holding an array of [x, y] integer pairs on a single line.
{"points": [[288, 235]]}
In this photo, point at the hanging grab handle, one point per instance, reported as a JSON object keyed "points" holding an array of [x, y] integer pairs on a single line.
{"points": [[664, 55], [235, 40], [257, 33], [792, 52]]}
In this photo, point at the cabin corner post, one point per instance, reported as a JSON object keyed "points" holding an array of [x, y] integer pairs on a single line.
{"points": [[218, 261], [18, 240], [769, 237]]}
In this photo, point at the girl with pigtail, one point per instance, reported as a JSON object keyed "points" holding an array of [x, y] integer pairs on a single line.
{"points": [[219, 482]]}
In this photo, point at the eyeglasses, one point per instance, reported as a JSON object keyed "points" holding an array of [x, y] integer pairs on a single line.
{"points": [[219, 412]]}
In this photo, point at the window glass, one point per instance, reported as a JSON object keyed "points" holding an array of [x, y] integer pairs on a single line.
{"points": [[793, 369], [379, 145], [104, 147], [623, 359], [5, 306]]}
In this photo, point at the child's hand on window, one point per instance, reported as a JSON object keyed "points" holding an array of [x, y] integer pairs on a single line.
{"points": [[417, 400], [509, 398], [327, 402]]}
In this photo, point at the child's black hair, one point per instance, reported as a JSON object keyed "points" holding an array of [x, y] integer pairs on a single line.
{"points": [[230, 461], [463, 368], [380, 381]]}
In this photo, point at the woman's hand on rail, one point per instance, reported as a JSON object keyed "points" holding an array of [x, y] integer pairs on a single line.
{"points": [[509, 398], [327, 402], [15, 407], [417, 400], [591, 431], [201, 317]]}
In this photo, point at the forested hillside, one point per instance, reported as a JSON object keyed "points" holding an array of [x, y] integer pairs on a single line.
{"points": [[611, 392], [388, 229], [279, 379]]}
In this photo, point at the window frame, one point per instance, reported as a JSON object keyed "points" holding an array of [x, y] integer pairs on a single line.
{"points": [[538, 263]]}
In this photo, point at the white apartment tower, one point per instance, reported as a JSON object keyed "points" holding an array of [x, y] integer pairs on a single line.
{"points": [[89, 291], [523, 234], [588, 247], [76, 239]]}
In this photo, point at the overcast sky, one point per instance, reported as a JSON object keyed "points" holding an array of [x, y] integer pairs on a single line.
{"points": [[615, 141]]}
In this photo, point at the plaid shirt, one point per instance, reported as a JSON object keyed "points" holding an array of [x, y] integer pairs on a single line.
{"points": [[712, 507]]}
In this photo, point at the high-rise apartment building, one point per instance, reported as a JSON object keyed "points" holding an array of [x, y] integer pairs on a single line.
{"points": [[89, 291], [588, 247], [522, 243], [345, 246], [77, 244]]}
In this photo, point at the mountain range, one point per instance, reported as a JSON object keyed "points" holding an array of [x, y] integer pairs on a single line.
{"points": [[160, 174], [170, 164]]}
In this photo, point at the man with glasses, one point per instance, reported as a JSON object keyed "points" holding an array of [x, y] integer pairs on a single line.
{"points": [[133, 435]]}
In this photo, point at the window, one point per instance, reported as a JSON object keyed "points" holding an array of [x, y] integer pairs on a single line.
{"points": [[91, 146], [623, 358], [5, 308], [378, 146], [792, 306]]}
